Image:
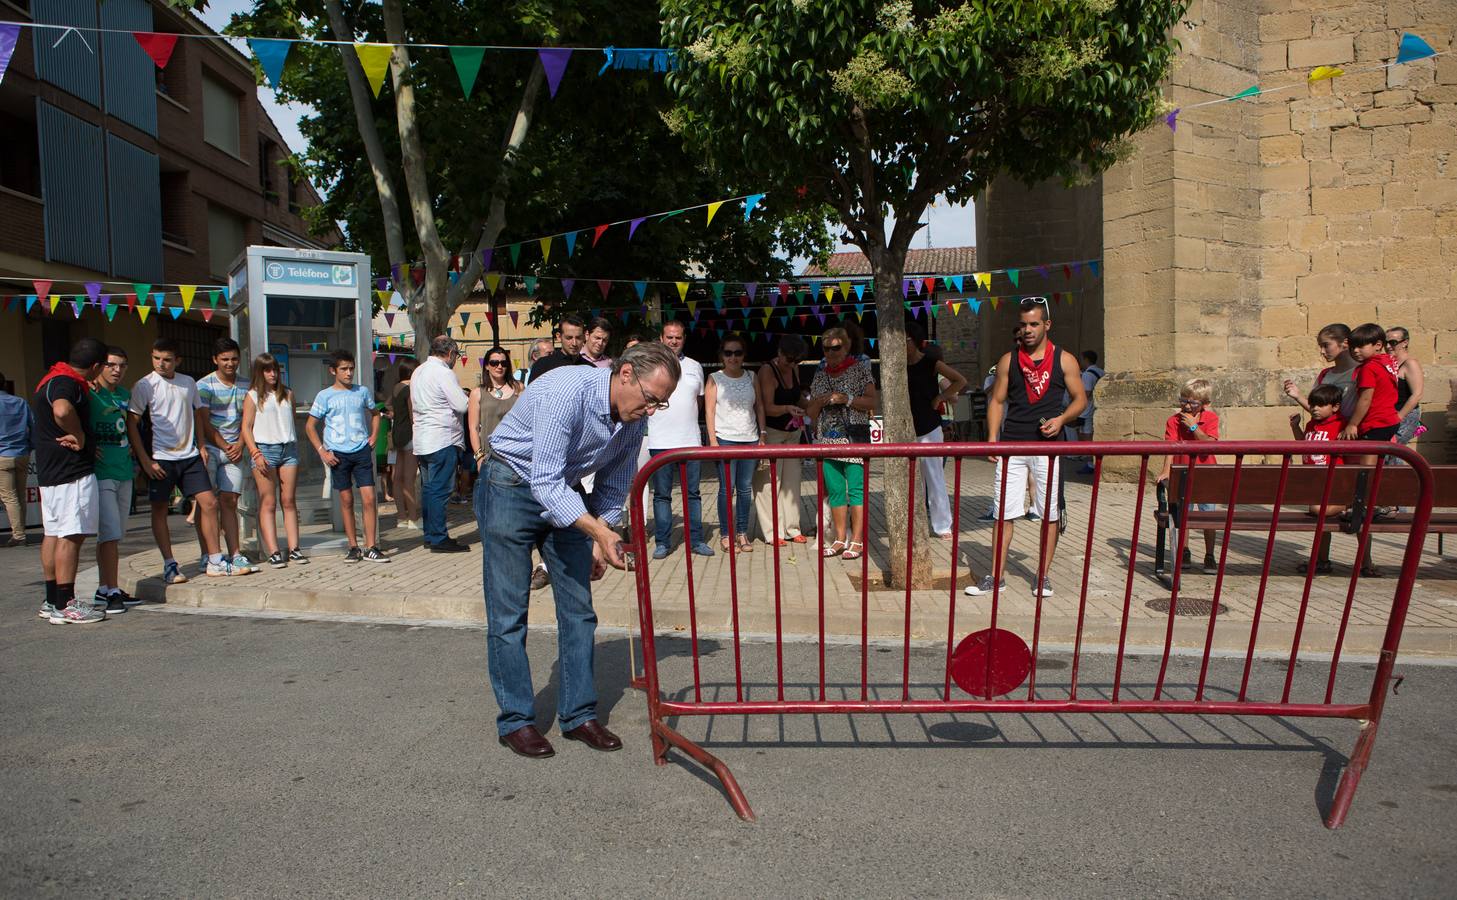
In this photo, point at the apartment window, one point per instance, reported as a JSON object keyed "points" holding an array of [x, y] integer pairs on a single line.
{"points": [[19, 155], [221, 108], [176, 200], [226, 235]]}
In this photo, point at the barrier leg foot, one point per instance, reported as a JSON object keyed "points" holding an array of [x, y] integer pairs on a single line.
{"points": [[715, 765], [1351, 777]]}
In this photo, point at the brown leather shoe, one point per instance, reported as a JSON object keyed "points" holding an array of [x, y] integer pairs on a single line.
{"points": [[594, 735], [528, 742]]}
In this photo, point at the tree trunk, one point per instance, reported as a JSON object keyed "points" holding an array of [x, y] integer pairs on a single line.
{"points": [[888, 266]]}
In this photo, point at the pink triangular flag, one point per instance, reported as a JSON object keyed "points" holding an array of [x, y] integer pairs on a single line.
{"points": [[42, 287]]}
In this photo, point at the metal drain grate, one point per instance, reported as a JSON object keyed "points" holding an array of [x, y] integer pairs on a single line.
{"points": [[1188, 606]]}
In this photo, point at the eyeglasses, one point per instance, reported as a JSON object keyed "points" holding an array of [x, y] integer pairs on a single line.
{"points": [[495, 362], [733, 353], [834, 348], [652, 402]]}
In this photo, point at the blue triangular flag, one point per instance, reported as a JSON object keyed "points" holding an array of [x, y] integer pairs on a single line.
{"points": [[176, 311], [29, 302], [872, 343], [956, 281], [860, 291], [1094, 266], [571, 238], [641, 287], [158, 299], [1413, 48], [750, 202], [271, 54], [975, 304]]}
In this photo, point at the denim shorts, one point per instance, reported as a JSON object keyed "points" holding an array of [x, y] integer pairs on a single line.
{"points": [[280, 456], [353, 470]]}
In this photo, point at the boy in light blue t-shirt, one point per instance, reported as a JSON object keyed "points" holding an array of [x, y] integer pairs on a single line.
{"points": [[347, 448]]}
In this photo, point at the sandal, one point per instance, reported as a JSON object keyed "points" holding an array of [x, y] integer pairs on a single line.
{"points": [[835, 549], [800, 539], [746, 545], [1322, 567], [724, 545], [781, 543], [851, 552]]}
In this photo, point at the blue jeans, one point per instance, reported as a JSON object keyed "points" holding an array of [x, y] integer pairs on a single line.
{"points": [[437, 480], [742, 471], [663, 504], [511, 525]]}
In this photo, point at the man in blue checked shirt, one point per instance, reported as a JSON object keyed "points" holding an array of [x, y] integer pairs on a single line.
{"points": [[571, 422]]}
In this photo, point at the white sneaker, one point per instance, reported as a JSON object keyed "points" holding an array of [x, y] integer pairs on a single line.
{"points": [[985, 587], [225, 569]]}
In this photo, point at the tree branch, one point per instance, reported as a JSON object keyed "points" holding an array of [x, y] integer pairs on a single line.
{"points": [[394, 231]]}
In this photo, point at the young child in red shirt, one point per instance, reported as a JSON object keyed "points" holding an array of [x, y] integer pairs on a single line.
{"points": [[1374, 418], [1325, 425], [1194, 421]]}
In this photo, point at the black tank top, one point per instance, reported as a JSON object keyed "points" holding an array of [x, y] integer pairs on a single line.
{"points": [[924, 389], [1403, 391], [784, 395], [1024, 418]]}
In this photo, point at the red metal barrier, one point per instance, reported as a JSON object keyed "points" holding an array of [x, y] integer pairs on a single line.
{"points": [[993, 698]]}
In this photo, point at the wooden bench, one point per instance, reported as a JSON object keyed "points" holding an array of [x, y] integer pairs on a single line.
{"points": [[1304, 488]]}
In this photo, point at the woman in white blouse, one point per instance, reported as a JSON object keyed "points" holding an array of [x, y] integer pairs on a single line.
{"points": [[734, 417], [269, 434]]}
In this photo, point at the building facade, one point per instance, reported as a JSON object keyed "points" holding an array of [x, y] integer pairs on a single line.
{"points": [[1229, 242], [116, 171]]}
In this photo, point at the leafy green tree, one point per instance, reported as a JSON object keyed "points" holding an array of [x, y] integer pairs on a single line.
{"points": [[422, 174], [877, 107]]}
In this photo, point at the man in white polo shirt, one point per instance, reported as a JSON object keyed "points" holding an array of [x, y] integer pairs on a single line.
{"points": [[437, 402], [669, 429]]}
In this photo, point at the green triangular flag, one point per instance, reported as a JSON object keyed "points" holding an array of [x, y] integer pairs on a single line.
{"points": [[515, 254], [1012, 276], [1250, 91], [467, 65]]}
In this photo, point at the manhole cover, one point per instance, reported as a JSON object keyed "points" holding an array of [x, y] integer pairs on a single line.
{"points": [[1188, 606]]}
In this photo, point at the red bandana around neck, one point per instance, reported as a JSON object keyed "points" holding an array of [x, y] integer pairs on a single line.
{"points": [[63, 370], [1037, 376], [846, 363]]}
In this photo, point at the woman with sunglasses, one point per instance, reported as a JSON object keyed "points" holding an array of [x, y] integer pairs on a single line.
{"points": [[842, 397], [735, 418], [1410, 382], [490, 402]]}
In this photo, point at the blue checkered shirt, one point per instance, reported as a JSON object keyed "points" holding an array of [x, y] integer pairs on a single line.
{"points": [[560, 431]]}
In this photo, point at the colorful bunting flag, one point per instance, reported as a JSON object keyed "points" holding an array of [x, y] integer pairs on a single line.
{"points": [[493, 281], [1172, 119], [641, 287], [8, 35], [187, 291], [158, 46], [554, 63], [515, 254], [545, 249], [598, 232], [486, 255], [530, 285], [750, 202], [1095, 267], [271, 54], [1413, 48], [567, 285], [1321, 73], [1013, 275], [682, 290], [111, 313], [375, 60], [43, 287], [175, 311], [93, 292], [1251, 91], [713, 210], [604, 286], [860, 291], [633, 225], [143, 311], [571, 238], [467, 62]]}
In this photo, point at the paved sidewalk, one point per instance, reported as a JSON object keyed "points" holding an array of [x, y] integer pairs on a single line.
{"points": [[418, 585]]}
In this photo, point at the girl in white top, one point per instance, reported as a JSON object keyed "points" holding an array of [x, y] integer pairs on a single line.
{"points": [[272, 441], [734, 417]]}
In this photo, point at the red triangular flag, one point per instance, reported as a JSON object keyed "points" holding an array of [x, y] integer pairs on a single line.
{"points": [[930, 285], [604, 285], [42, 288], [207, 312], [158, 46], [598, 232]]}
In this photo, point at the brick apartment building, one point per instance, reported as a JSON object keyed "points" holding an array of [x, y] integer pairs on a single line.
{"points": [[115, 170]]}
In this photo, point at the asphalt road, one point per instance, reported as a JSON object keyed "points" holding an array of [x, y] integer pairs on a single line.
{"points": [[171, 754]]}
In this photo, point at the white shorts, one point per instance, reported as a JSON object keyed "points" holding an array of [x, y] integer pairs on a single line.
{"points": [[70, 509], [225, 476], [1018, 468], [115, 505]]}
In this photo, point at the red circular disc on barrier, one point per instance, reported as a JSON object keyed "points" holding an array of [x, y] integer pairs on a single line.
{"points": [[1011, 662]]}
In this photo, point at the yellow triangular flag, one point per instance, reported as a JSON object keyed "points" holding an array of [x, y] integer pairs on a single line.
{"points": [[955, 309], [984, 279], [996, 302], [143, 312], [692, 307], [187, 290], [55, 301], [1321, 73], [389, 340], [384, 297], [375, 60], [829, 292], [682, 290], [405, 276], [492, 281], [845, 289], [713, 210], [545, 249]]}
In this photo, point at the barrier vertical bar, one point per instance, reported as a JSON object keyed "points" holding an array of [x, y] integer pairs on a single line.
{"points": [[727, 488], [820, 534], [1053, 469], [688, 563], [1087, 568], [864, 579], [1264, 575], [774, 549], [1158, 689], [1239, 462], [911, 465], [1363, 547], [1128, 586], [996, 574], [955, 544], [1325, 499]]}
